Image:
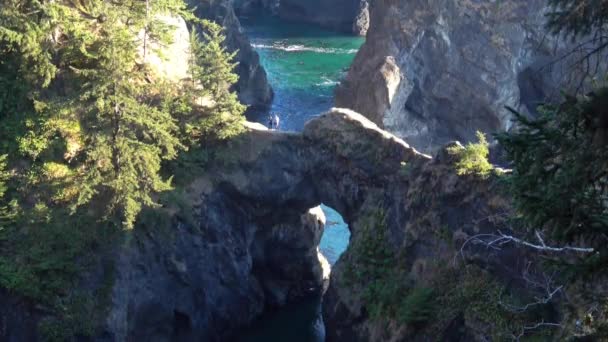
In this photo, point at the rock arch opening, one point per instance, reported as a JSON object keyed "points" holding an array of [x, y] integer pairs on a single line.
{"points": [[336, 167], [251, 246], [336, 235]]}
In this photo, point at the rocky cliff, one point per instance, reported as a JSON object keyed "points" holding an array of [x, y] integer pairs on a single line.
{"points": [[351, 16], [240, 237], [253, 87], [248, 240], [436, 71]]}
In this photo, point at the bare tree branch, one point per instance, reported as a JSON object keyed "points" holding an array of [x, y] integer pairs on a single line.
{"points": [[496, 241], [543, 246], [526, 329], [545, 286]]}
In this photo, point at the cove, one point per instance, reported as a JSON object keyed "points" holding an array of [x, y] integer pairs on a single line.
{"points": [[304, 64]]}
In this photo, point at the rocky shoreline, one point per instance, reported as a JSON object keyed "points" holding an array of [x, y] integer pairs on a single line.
{"points": [[350, 16]]}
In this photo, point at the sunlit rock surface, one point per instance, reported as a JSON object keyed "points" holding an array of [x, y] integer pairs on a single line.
{"points": [[435, 71]]}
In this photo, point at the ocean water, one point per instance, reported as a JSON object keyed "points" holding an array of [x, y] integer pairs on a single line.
{"points": [[336, 235], [304, 64]]}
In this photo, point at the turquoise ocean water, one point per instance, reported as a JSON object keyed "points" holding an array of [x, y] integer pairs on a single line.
{"points": [[304, 64]]}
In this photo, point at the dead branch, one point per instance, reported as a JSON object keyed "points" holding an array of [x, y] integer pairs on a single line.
{"points": [[497, 241], [527, 329], [546, 287]]}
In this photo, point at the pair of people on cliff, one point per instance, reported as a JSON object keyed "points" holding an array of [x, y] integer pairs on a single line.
{"points": [[274, 121]]}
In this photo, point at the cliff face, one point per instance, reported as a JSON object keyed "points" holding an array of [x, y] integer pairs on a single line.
{"points": [[253, 87], [241, 238], [350, 16], [251, 241], [203, 281], [342, 15], [435, 71]]}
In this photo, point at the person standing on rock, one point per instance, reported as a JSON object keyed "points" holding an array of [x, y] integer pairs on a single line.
{"points": [[276, 121], [270, 122]]}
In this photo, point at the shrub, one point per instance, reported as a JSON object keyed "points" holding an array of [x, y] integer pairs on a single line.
{"points": [[473, 158], [417, 307]]}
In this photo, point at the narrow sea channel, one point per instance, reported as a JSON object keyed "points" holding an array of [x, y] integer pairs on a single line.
{"points": [[304, 64]]}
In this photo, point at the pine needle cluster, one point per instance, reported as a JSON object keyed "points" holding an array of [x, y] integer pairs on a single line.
{"points": [[76, 94]]}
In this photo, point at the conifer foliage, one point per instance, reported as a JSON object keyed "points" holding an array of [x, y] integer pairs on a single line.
{"points": [[76, 95], [578, 17], [560, 160], [560, 168]]}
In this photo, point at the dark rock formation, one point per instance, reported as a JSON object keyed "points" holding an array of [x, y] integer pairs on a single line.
{"points": [[201, 282], [253, 87], [342, 15], [245, 240], [436, 71], [350, 16], [252, 243], [427, 214]]}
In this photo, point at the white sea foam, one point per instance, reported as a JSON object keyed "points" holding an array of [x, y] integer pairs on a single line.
{"points": [[327, 83], [301, 48]]}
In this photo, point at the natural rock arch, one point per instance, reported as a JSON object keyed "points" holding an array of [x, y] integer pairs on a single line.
{"points": [[246, 240], [339, 157], [253, 241]]}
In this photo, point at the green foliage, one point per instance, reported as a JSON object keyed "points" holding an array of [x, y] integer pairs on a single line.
{"points": [[42, 254], [577, 17], [373, 265], [4, 176], [216, 111], [560, 168], [77, 93], [473, 159], [475, 295], [87, 137], [386, 293], [212, 66], [417, 307]]}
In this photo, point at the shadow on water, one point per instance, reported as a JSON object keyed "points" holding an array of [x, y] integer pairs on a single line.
{"points": [[260, 24], [297, 322], [302, 321]]}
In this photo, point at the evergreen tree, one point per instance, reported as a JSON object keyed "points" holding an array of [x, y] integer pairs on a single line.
{"points": [[77, 100], [84, 132], [218, 113], [126, 137], [25, 33], [578, 17], [215, 70], [560, 168], [560, 163]]}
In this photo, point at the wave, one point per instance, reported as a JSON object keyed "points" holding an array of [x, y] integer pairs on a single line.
{"points": [[327, 83], [301, 48]]}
